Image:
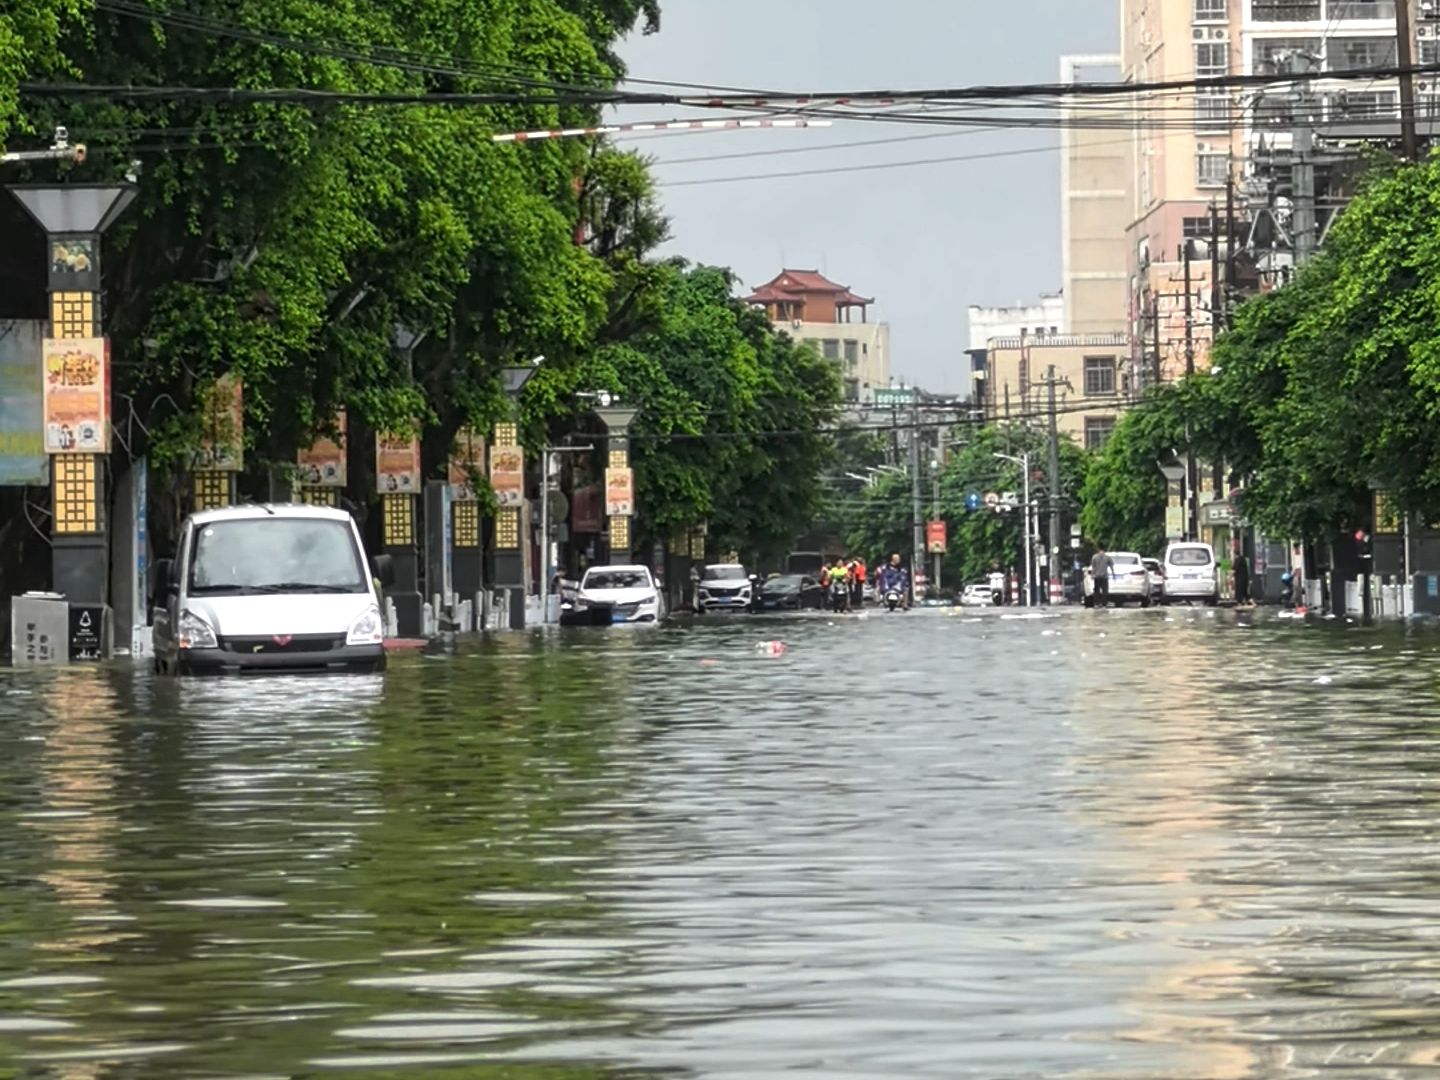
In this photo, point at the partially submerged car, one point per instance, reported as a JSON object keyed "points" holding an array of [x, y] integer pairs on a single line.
{"points": [[268, 589]]}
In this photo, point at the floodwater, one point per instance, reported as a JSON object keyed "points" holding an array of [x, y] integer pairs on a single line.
{"points": [[1108, 844]]}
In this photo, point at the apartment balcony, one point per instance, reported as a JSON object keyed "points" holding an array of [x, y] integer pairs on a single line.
{"points": [[1325, 12]]}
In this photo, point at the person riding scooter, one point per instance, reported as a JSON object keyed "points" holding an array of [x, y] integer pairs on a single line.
{"points": [[895, 579]]}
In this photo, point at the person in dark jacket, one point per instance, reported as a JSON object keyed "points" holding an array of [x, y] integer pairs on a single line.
{"points": [[1242, 580]]}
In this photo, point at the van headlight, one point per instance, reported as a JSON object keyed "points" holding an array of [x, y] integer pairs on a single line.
{"points": [[367, 629], [193, 632]]}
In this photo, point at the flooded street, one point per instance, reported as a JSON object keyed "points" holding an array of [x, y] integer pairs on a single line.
{"points": [[1108, 844]]}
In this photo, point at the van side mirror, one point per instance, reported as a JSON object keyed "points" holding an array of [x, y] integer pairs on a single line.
{"points": [[383, 567], [162, 580]]}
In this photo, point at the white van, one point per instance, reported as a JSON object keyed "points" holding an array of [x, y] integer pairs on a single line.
{"points": [[1190, 574], [268, 589]]}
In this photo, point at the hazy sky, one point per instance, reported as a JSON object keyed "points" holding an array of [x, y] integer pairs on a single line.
{"points": [[926, 241]]}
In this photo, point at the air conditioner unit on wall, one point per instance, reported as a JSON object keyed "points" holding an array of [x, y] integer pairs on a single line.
{"points": [[1220, 33]]}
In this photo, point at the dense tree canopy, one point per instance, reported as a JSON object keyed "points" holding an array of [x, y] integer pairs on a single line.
{"points": [[1323, 390], [286, 241]]}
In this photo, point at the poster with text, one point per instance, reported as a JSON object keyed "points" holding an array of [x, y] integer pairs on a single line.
{"points": [[76, 412], [397, 464], [619, 492], [507, 475], [467, 461], [222, 444], [322, 463]]}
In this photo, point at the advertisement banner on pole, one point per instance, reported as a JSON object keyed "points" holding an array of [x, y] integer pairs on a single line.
{"points": [[935, 541], [22, 389], [322, 463], [397, 464], [76, 410], [619, 492], [222, 445], [507, 475], [467, 461]]}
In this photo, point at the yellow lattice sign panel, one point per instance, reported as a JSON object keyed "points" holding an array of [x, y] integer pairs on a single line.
{"points": [[467, 525], [320, 496], [76, 494], [72, 314], [211, 489], [507, 529], [398, 513], [619, 459], [619, 533]]}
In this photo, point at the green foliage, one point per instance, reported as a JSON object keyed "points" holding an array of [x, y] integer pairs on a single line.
{"points": [[880, 517]]}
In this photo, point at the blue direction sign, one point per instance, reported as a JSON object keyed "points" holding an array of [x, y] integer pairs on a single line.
{"points": [[972, 501]]}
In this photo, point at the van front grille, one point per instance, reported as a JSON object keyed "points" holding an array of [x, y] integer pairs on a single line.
{"points": [[298, 643]]}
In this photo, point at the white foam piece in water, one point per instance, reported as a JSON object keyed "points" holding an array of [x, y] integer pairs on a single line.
{"points": [[226, 903]]}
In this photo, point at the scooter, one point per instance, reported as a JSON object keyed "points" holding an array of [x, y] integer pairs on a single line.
{"points": [[1287, 590], [893, 599], [839, 595]]}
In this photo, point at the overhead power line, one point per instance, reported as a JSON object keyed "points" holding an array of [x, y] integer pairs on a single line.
{"points": [[816, 104]]}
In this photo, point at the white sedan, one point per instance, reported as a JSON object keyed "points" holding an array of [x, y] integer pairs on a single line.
{"points": [[977, 594], [1129, 580], [628, 591]]}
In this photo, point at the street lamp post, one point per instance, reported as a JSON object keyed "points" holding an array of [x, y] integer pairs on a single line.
{"points": [[77, 386], [1024, 468], [619, 479], [1024, 462], [509, 519], [545, 471]]}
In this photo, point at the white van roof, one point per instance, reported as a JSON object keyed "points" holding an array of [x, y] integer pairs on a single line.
{"points": [[251, 511]]}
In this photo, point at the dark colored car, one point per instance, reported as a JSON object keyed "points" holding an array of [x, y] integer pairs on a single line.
{"points": [[792, 592]]}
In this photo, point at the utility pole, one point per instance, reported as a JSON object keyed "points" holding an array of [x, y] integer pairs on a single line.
{"points": [[1302, 169], [1229, 285], [1155, 335], [917, 531], [1192, 473], [1405, 54], [935, 491], [1214, 273], [1053, 562]]}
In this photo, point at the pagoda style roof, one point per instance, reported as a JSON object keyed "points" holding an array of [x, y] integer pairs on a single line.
{"points": [[798, 284]]}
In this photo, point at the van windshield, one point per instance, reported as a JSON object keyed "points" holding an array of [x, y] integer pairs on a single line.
{"points": [[1190, 557], [276, 554]]}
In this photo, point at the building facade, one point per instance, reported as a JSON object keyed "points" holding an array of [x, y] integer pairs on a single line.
{"points": [[1095, 182], [1092, 383], [1037, 320], [1193, 152], [811, 308]]}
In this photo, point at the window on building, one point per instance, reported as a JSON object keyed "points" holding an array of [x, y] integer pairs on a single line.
{"points": [[830, 349], [1358, 54], [1361, 9], [1430, 51], [1212, 60], [852, 353], [852, 390], [1272, 110], [1196, 228], [1212, 112], [1364, 103], [1099, 376], [1053, 330], [1286, 10], [1098, 430], [1211, 11], [1273, 54], [1212, 168]]}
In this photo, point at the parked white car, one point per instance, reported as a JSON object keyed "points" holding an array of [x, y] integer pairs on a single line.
{"points": [[977, 594], [628, 591], [1190, 574], [724, 587], [1129, 580]]}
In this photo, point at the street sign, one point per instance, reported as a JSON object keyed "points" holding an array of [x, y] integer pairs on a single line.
{"points": [[1010, 498], [890, 398], [87, 631], [992, 499], [972, 501]]}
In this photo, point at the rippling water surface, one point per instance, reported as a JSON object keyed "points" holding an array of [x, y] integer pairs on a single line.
{"points": [[1110, 844]]}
